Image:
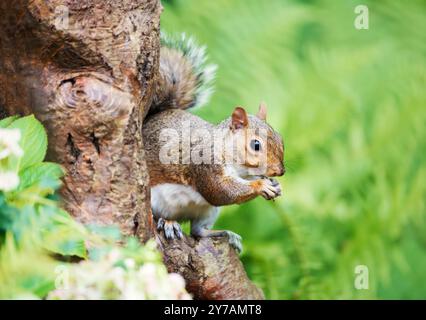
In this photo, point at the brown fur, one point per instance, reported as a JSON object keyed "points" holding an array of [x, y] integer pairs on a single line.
{"points": [[212, 181]]}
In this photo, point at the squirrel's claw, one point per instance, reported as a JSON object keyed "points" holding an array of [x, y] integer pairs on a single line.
{"points": [[271, 189], [178, 230], [160, 224], [235, 240], [172, 229]]}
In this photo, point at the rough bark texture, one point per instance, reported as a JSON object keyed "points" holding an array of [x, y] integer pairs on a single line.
{"points": [[87, 69], [211, 268]]}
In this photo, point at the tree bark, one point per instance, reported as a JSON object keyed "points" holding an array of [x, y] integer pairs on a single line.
{"points": [[211, 268], [87, 69]]}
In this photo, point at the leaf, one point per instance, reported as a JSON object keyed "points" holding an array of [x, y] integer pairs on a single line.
{"points": [[109, 232], [33, 141], [4, 123], [64, 241], [98, 253], [37, 284], [38, 173], [70, 247], [65, 236]]}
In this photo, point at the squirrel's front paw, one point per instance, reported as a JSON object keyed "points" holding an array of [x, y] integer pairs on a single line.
{"points": [[172, 229], [270, 188]]}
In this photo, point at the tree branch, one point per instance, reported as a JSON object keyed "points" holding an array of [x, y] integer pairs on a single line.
{"points": [[211, 268]]}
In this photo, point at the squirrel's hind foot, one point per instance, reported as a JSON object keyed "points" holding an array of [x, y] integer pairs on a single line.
{"points": [[234, 239], [172, 229]]}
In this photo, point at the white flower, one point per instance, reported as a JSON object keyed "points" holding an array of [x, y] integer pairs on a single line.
{"points": [[114, 255], [8, 181], [130, 263], [177, 287], [9, 143], [105, 279]]}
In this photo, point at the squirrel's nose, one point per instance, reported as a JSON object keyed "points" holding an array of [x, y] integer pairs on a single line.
{"points": [[281, 171], [277, 171]]}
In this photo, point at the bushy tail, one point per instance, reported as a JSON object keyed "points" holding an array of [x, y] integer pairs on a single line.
{"points": [[186, 78]]}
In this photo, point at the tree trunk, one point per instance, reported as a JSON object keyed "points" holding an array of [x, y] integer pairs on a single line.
{"points": [[87, 69]]}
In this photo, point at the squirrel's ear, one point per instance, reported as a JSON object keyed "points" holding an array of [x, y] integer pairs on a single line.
{"points": [[239, 119], [261, 114]]}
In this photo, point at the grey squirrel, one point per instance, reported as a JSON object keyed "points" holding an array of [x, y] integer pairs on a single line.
{"points": [[193, 190]]}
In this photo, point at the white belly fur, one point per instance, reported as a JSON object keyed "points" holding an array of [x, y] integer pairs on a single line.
{"points": [[178, 202]]}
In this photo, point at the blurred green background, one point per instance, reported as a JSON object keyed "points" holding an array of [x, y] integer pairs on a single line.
{"points": [[350, 105]]}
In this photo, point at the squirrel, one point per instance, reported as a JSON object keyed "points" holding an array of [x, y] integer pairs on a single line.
{"points": [[186, 189]]}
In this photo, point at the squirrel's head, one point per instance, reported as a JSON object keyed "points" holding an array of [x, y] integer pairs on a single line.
{"points": [[259, 148]]}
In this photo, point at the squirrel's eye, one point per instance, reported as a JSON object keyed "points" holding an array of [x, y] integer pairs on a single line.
{"points": [[255, 145]]}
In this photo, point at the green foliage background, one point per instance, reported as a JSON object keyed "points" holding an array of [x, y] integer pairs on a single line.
{"points": [[350, 105]]}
